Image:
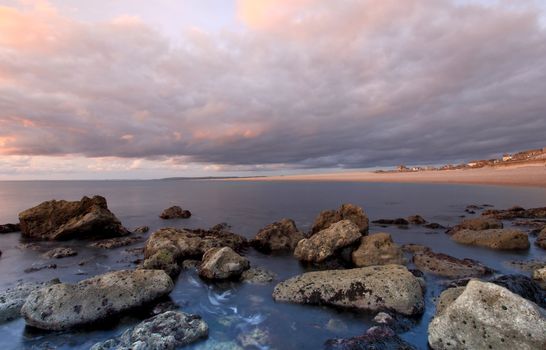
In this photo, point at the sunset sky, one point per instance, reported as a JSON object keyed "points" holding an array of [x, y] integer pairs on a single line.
{"points": [[148, 89]]}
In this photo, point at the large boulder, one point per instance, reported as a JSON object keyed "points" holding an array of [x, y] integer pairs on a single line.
{"points": [[448, 266], [175, 212], [222, 263], [504, 239], [278, 237], [12, 299], [60, 220], [374, 288], [169, 330], [377, 249], [326, 243], [487, 316], [64, 306], [349, 212], [168, 247]]}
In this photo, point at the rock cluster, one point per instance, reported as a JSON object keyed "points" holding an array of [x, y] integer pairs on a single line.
{"points": [[349, 212], [60, 220]]}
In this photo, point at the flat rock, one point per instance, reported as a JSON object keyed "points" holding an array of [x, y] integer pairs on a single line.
{"points": [[175, 212], [448, 266], [504, 239], [169, 330], [375, 338], [278, 237], [377, 249], [12, 299], [112, 243], [516, 213], [222, 263], [60, 220], [373, 289], [350, 212], [386, 222], [63, 306], [326, 243], [9, 228], [487, 316], [60, 252], [477, 224]]}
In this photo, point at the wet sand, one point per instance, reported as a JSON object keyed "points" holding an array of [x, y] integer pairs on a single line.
{"points": [[529, 175]]}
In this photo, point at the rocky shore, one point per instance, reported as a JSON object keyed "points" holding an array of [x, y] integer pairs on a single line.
{"points": [[351, 267]]}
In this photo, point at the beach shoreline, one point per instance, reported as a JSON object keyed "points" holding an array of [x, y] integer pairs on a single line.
{"points": [[531, 175]]}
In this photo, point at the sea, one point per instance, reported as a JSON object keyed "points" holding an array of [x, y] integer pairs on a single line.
{"points": [[242, 313]]}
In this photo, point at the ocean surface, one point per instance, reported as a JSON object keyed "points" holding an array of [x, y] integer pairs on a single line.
{"points": [[234, 309]]}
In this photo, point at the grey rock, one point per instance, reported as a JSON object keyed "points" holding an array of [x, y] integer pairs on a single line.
{"points": [[447, 297], [12, 299], [222, 263]]}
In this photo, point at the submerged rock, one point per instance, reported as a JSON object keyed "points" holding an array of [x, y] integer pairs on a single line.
{"points": [[326, 243], [112, 243], [377, 249], [257, 338], [277, 237], [375, 338], [141, 229], [257, 275], [168, 247], [169, 330], [350, 212], [64, 306], [12, 299], [433, 226], [375, 288], [487, 316], [222, 263], [504, 239], [448, 266], [58, 253], [385, 222], [59, 220], [175, 212], [416, 220], [516, 213], [9, 228]]}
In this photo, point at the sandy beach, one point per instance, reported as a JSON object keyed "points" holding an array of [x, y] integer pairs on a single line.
{"points": [[530, 175]]}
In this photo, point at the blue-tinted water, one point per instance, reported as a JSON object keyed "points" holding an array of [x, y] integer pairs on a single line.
{"points": [[235, 309]]}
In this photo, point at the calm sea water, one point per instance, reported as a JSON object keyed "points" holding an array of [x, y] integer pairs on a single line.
{"points": [[234, 309]]}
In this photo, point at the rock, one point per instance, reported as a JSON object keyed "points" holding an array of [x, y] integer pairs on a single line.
{"points": [[58, 253], [112, 243], [375, 288], [385, 222], [526, 265], [257, 275], [141, 229], [190, 264], [539, 275], [414, 248], [375, 338], [377, 249], [383, 318], [487, 316], [222, 263], [336, 325], [256, 338], [349, 212], [504, 239], [213, 344], [434, 226], [277, 237], [168, 247], [516, 212], [541, 239], [63, 306], [39, 267], [416, 220], [169, 330], [60, 220], [477, 224], [326, 243], [12, 299], [448, 266], [447, 297], [9, 228], [523, 286], [175, 212]]}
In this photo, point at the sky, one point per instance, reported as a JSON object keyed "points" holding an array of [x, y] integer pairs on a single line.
{"points": [[130, 89]]}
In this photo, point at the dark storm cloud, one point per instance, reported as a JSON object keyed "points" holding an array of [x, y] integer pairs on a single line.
{"points": [[347, 84]]}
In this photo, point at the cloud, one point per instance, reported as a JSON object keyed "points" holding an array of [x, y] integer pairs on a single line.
{"points": [[313, 85]]}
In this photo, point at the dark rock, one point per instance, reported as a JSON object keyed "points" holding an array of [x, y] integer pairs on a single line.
{"points": [[375, 338], [386, 222], [416, 220], [169, 330], [350, 212], [116, 242], [448, 266], [141, 229], [64, 306], [434, 226], [524, 287], [221, 227], [9, 228], [175, 212], [59, 220], [278, 237], [222, 263], [414, 248], [39, 268], [503, 239], [58, 253]]}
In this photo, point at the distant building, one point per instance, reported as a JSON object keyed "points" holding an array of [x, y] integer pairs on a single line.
{"points": [[403, 168], [506, 157]]}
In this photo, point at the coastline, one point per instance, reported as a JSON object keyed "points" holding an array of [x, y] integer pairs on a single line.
{"points": [[529, 175]]}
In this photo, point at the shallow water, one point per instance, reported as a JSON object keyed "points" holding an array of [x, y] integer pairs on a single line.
{"points": [[233, 309]]}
